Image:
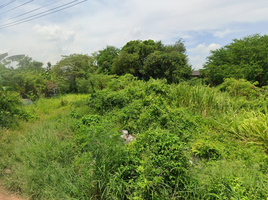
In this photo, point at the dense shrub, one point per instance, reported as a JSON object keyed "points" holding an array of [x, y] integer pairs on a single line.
{"points": [[9, 108], [157, 170], [240, 88], [106, 100], [190, 141]]}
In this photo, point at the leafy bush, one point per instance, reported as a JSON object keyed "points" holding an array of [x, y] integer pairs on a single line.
{"points": [[90, 119], [158, 170], [93, 83], [206, 149], [9, 108], [241, 88], [105, 100]]}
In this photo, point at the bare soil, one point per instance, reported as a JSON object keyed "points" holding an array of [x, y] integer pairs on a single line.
{"points": [[5, 195]]}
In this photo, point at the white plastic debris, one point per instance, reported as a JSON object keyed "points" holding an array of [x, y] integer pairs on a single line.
{"points": [[126, 136]]}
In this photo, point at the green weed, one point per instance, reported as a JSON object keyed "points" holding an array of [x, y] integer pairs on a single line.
{"points": [[188, 143]]}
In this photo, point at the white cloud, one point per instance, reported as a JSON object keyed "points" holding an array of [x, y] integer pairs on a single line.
{"points": [[200, 52], [197, 61], [222, 34], [204, 49], [53, 33], [94, 24]]}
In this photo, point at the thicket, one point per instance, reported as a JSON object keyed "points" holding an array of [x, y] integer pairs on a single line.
{"points": [[9, 108], [190, 142]]}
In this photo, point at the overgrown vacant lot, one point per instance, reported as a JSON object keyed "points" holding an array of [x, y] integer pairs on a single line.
{"points": [[190, 142]]}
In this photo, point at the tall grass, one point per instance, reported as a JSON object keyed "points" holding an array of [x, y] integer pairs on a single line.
{"points": [[251, 127], [230, 180], [247, 119], [40, 156], [203, 99], [48, 106], [40, 163]]}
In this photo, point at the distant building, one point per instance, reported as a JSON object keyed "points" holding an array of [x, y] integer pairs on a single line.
{"points": [[196, 73]]}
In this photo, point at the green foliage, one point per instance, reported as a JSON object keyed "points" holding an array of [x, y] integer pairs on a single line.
{"points": [[241, 88], [156, 170], [73, 67], [244, 58], [29, 78], [93, 82], [106, 100], [206, 149], [105, 58], [9, 108], [90, 119], [202, 99], [145, 59], [253, 127], [189, 141], [230, 180], [170, 65]]}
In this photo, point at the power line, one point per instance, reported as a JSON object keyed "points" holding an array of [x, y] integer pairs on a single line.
{"points": [[30, 11], [4, 5], [37, 14], [33, 17], [16, 7]]}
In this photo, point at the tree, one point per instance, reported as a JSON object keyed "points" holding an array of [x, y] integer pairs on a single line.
{"points": [[245, 58], [132, 57], [169, 62], [49, 67], [145, 59], [105, 58], [126, 63], [172, 66], [4, 60], [74, 66], [29, 78]]}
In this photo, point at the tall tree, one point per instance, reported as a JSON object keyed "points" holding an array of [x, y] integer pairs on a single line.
{"points": [[74, 66], [105, 58], [132, 57], [148, 58], [243, 58]]}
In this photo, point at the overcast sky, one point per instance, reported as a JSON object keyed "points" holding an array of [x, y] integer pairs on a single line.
{"points": [[203, 25]]}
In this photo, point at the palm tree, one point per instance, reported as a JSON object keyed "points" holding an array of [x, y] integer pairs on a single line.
{"points": [[4, 60]]}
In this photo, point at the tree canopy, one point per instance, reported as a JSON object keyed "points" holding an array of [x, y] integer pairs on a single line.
{"points": [[145, 59], [105, 58], [72, 67], [243, 58]]}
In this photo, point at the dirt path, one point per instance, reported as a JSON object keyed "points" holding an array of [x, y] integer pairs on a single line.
{"points": [[5, 195]]}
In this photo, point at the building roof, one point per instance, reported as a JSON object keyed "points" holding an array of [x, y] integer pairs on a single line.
{"points": [[196, 73]]}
